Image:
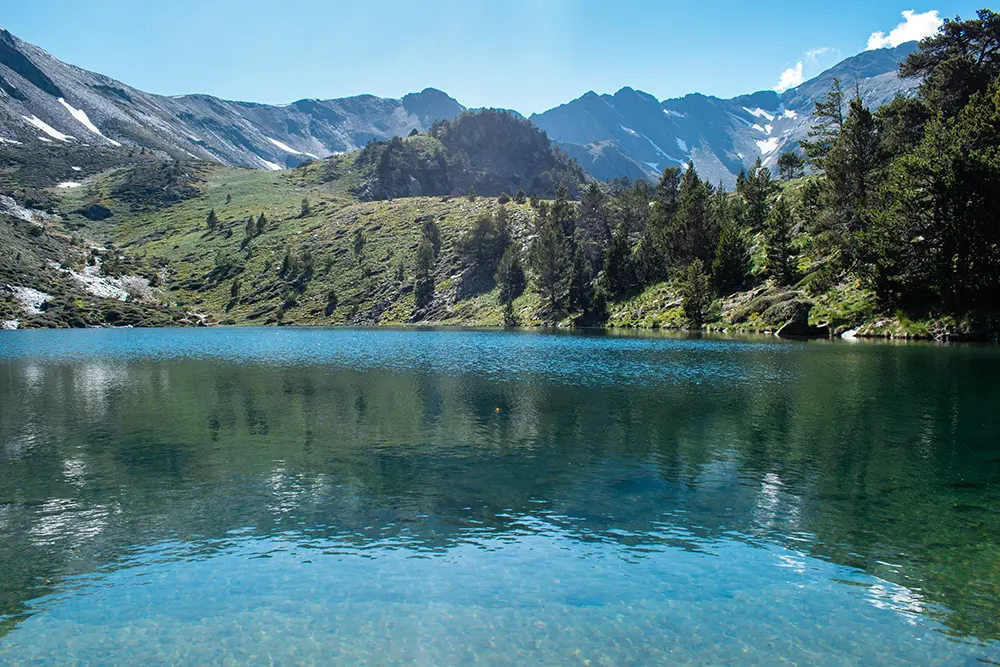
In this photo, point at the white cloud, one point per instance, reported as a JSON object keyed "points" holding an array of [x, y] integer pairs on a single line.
{"points": [[790, 78], [813, 54], [914, 27]]}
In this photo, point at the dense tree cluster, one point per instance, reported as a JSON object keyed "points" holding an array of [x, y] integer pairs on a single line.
{"points": [[684, 229], [489, 152]]}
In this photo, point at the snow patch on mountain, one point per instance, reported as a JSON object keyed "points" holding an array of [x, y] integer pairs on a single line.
{"points": [[289, 149], [69, 184], [84, 120], [759, 113], [271, 166], [629, 130], [12, 142], [767, 146], [47, 129], [681, 144], [788, 113]]}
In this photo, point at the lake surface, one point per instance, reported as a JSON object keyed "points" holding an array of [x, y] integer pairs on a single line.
{"points": [[283, 496]]}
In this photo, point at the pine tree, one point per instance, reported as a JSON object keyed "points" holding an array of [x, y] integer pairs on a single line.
{"points": [[248, 232], [962, 59], [563, 212], [519, 197], [261, 224], [359, 240], [822, 136], [510, 275], [732, 259], [423, 282], [730, 265], [550, 261], [213, 220], [790, 165], [692, 233], [695, 289], [778, 243], [306, 209], [595, 226], [854, 163], [619, 272], [432, 233], [756, 191]]}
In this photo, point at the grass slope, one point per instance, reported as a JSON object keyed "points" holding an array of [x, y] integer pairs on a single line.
{"points": [[229, 279]]}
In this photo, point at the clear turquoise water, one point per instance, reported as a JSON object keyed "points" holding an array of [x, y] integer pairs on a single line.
{"points": [[282, 496]]}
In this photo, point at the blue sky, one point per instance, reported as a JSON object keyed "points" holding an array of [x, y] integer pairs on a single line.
{"points": [[517, 54]]}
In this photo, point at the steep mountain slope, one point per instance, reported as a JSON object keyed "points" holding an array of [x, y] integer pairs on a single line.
{"points": [[43, 100], [631, 133]]}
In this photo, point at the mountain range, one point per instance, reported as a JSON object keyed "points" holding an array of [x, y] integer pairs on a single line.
{"points": [[44, 101]]}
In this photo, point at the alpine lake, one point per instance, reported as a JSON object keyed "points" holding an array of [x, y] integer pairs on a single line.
{"points": [[487, 497]]}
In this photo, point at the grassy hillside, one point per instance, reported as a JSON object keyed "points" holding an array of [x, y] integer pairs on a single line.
{"points": [[362, 256], [237, 280]]}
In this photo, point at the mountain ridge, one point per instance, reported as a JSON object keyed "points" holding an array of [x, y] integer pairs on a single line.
{"points": [[626, 134], [632, 131]]}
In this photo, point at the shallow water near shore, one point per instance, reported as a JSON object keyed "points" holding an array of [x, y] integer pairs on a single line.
{"points": [[288, 496]]}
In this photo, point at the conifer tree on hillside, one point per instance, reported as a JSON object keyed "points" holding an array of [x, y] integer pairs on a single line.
{"points": [[790, 165], [510, 277], [423, 281], [830, 114], [962, 59], [213, 220], [432, 233], [756, 192], [595, 227], [854, 164], [695, 289], [619, 271], [732, 258], [551, 262], [778, 243], [692, 233], [563, 212]]}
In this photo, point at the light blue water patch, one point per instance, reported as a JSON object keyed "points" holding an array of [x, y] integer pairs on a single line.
{"points": [[588, 359], [538, 596], [335, 496]]}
